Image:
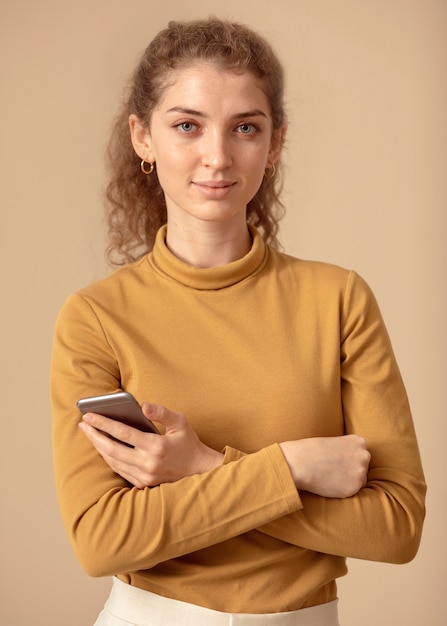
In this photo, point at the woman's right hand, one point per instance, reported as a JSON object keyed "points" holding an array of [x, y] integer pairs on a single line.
{"points": [[152, 459], [333, 467]]}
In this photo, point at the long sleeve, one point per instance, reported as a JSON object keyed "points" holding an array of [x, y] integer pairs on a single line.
{"points": [[267, 349], [383, 522], [116, 528]]}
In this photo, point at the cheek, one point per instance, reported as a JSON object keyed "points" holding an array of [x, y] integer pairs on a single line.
{"points": [[168, 168], [256, 171], [256, 160], [167, 181], [258, 174], [172, 160]]}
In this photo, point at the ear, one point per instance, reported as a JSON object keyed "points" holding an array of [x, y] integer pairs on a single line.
{"points": [[276, 144], [141, 139]]}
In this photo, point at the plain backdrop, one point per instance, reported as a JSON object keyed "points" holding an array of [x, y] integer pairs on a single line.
{"points": [[366, 188]]}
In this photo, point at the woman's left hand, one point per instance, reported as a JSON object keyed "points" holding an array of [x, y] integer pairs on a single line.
{"points": [[153, 459]]}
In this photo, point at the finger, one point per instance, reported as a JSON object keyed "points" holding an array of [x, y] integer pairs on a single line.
{"points": [[171, 420], [103, 442], [118, 456], [126, 467], [119, 431], [94, 435], [132, 480]]}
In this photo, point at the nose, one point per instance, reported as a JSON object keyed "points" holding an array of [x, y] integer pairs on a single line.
{"points": [[216, 150]]}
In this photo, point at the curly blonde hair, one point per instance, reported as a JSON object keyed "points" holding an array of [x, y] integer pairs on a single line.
{"points": [[135, 203]]}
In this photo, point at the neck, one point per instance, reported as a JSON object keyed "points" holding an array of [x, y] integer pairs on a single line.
{"points": [[208, 244]]}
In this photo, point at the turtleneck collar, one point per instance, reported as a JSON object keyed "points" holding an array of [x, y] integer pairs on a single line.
{"points": [[166, 263]]}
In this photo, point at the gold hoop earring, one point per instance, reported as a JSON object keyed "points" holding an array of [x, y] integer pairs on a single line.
{"points": [[145, 171], [272, 172]]}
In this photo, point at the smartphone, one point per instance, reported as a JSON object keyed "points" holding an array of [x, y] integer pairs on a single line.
{"points": [[120, 406]]}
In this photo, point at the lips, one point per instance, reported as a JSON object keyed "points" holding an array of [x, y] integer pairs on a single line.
{"points": [[214, 188], [214, 183]]}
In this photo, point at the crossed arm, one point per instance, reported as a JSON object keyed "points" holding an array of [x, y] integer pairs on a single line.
{"points": [[310, 493], [333, 467], [330, 474]]}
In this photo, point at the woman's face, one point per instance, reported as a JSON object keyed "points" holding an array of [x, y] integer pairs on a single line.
{"points": [[211, 139]]}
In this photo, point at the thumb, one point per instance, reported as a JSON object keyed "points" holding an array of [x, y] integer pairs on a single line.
{"points": [[171, 420]]}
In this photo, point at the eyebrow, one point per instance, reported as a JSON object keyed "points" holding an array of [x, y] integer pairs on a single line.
{"points": [[186, 111]]}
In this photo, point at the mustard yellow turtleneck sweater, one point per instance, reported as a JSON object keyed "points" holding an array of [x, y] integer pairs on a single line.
{"points": [[266, 349]]}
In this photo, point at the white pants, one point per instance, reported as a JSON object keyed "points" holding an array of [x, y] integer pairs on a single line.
{"points": [[128, 605]]}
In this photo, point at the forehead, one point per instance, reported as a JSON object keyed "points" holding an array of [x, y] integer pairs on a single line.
{"points": [[208, 85]]}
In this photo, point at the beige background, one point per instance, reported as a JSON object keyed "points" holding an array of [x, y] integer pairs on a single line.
{"points": [[366, 189]]}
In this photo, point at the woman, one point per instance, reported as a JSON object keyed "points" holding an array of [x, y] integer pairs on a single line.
{"points": [[287, 443]]}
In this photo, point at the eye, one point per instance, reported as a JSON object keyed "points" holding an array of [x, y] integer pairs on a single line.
{"points": [[186, 127], [247, 129]]}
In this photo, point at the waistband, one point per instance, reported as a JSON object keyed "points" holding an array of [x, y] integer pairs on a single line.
{"points": [[144, 608]]}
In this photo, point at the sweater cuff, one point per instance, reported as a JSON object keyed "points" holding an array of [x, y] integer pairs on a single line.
{"points": [[282, 469], [231, 454]]}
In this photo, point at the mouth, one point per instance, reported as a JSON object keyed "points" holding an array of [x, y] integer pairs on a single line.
{"points": [[214, 188]]}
